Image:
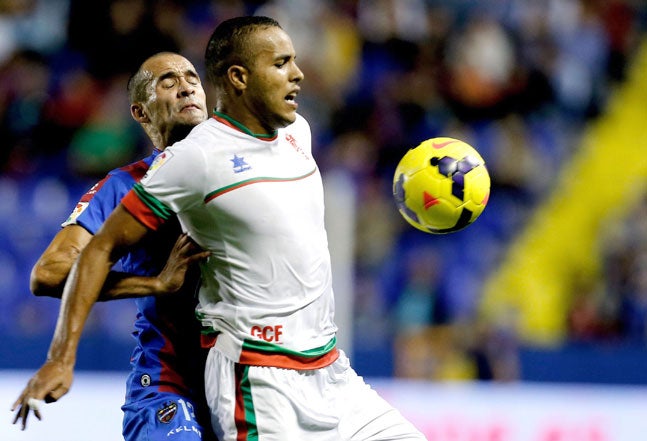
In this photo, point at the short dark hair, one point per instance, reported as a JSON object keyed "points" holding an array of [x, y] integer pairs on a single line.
{"points": [[228, 44], [138, 86]]}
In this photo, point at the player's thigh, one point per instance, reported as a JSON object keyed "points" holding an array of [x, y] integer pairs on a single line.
{"points": [[328, 404], [293, 405], [270, 404], [164, 416], [365, 415]]}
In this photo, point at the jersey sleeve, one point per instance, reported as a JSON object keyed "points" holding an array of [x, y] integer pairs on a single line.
{"points": [[173, 183], [97, 203]]}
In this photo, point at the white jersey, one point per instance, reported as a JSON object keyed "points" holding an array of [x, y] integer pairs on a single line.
{"points": [[256, 203]]}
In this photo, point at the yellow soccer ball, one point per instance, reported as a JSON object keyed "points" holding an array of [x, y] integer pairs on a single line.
{"points": [[441, 186]]}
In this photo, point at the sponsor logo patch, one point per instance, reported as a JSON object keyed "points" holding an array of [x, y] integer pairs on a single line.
{"points": [[159, 161], [80, 207]]}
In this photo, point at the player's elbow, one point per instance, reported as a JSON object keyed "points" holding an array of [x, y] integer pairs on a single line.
{"points": [[45, 283]]}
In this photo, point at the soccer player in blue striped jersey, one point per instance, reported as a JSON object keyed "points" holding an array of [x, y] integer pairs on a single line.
{"points": [[165, 391]]}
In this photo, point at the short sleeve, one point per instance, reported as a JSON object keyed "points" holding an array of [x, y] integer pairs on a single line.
{"points": [[97, 203], [173, 183]]}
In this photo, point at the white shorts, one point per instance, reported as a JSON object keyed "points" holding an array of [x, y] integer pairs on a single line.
{"points": [[275, 404]]}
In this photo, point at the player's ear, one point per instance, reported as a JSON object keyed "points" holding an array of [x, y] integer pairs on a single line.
{"points": [[237, 76], [138, 113]]}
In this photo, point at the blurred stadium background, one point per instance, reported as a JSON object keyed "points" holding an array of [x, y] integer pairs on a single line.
{"points": [[484, 334]]}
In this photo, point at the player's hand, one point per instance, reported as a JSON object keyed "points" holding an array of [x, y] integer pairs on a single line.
{"points": [[184, 253], [50, 383]]}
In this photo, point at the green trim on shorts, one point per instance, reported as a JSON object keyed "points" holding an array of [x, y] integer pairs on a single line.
{"points": [[250, 412], [265, 347]]}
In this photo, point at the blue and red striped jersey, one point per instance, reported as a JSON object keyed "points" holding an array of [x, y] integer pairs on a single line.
{"points": [[167, 355]]}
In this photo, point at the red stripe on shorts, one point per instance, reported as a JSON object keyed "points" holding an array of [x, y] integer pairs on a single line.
{"points": [[239, 412]]}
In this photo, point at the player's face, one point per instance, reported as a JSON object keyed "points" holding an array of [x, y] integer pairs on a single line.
{"points": [[274, 77], [177, 98]]}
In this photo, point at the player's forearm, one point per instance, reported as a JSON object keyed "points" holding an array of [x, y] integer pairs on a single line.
{"points": [[170, 280], [79, 295], [48, 279], [123, 286]]}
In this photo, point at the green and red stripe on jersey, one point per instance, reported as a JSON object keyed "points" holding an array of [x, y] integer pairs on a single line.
{"points": [[260, 179], [146, 208]]}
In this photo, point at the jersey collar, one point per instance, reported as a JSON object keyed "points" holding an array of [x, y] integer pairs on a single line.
{"points": [[229, 121]]}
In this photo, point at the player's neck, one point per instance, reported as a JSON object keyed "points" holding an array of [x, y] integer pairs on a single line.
{"points": [[254, 130]]}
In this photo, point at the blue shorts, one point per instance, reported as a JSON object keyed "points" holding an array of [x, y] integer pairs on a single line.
{"points": [[165, 416]]}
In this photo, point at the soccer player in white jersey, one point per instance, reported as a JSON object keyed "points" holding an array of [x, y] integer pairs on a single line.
{"points": [[245, 187]]}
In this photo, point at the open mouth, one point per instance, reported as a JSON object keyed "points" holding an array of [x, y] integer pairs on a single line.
{"points": [[291, 98]]}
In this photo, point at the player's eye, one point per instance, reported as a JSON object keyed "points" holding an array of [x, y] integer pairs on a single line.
{"points": [[281, 63], [167, 83]]}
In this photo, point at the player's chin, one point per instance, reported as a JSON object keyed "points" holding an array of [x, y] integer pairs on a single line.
{"points": [[282, 115], [193, 118], [284, 121], [289, 116]]}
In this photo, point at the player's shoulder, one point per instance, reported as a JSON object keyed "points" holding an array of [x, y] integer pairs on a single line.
{"points": [[118, 179], [132, 172], [301, 123], [102, 197], [199, 143], [299, 128]]}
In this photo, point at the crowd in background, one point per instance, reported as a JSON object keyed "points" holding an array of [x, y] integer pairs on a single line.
{"points": [[518, 79]]}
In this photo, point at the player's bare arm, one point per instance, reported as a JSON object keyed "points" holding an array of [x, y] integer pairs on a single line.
{"points": [[82, 290], [51, 270], [185, 252]]}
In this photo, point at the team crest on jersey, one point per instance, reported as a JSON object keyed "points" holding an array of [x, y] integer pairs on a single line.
{"points": [[166, 413], [239, 164], [80, 207], [158, 162]]}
